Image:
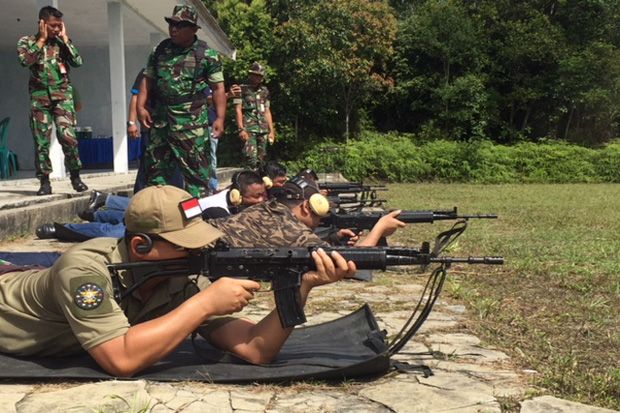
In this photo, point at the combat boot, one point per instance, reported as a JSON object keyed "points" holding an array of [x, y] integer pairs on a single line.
{"points": [[76, 182], [46, 187]]}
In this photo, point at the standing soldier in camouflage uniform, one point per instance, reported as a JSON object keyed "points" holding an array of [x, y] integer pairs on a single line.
{"points": [[254, 117], [48, 55], [177, 74]]}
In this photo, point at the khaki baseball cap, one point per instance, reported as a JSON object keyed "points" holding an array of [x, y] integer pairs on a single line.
{"points": [[157, 210]]}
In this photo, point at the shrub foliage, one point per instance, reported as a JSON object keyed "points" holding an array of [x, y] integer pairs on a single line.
{"points": [[406, 158]]}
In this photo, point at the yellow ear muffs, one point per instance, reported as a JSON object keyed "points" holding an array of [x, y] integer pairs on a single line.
{"points": [[319, 205], [234, 196], [268, 182]]}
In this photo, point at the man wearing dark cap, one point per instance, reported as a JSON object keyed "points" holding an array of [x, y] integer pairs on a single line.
{"points": [[178, 72], [78, 304], [50, 55], [253, 116], [289, 219]]}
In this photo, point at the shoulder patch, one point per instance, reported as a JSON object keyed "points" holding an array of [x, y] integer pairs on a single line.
{"points": [[88, 296]]}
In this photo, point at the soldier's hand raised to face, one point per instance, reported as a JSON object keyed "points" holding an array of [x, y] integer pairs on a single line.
{"points": [[42, 31], [63, 32]]}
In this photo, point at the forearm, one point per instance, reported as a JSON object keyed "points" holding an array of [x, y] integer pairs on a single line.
{"points": [[133, 109], [219, 99], [148, 342], [239, 116], [372, 239], [143, 96], [29, 54], [74, 58], [269, 119], [258, 343]]}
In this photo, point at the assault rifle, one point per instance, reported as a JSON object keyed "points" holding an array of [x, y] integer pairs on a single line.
{"points": [[367, 220], [361, 192], [283, 267], [352, 204]]}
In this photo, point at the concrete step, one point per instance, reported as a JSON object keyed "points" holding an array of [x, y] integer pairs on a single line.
{"points": [[22, 211]]}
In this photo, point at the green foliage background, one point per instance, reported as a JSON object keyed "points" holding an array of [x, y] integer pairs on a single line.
{"points": [[406, 158], [497, 70]]}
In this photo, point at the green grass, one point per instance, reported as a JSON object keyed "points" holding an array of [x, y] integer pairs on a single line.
{"points": [[555, 304]]}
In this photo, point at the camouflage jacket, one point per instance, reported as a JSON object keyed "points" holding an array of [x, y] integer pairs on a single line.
{"points": [[180, 87], [268, 224], [254, 103], [49, 65]]}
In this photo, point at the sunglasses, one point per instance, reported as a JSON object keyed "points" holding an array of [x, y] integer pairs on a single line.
{"points": [[181, 25]]}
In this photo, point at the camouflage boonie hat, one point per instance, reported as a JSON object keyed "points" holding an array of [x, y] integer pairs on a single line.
{"points": [[257, 69], [183, 13]]}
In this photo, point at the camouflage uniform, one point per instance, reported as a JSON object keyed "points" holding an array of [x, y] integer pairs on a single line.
{"points": [[51, 99], [268, 224], [254, 102], [180, 114]]}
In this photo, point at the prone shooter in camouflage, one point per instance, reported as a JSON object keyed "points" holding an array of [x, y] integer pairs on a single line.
{"points": [[177, 75], [48, 55], [254, 117]]}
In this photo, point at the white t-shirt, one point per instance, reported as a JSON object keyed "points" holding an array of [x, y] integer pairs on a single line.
{"points": [[219, 200]]}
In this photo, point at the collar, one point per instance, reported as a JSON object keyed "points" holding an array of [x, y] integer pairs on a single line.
{"points": [[125, 277]]}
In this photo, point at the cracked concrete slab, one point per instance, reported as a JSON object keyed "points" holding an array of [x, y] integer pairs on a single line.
{"points": [[549, 404]]}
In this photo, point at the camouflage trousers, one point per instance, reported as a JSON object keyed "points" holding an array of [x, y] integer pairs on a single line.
{"points": [[255, 149], [59, 110], [186, 148]]}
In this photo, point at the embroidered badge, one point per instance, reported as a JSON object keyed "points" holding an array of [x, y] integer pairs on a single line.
{"points": [[88, 296]]}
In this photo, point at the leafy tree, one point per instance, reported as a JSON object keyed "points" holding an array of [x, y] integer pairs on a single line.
{"points": [[439, 71], [332, 56]]}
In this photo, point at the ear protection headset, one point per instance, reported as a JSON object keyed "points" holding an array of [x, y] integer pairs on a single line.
{"points": [[268, 182], [234, 195], [318, 203], [146, 246]]}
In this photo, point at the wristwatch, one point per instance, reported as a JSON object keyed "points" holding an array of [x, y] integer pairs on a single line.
{"points": [[130, 123]]}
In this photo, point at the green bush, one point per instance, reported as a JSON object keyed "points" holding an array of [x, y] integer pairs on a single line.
{"points": [[406, 158]]}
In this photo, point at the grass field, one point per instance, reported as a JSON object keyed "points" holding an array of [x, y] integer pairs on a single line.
{"points": [[555, 304]]}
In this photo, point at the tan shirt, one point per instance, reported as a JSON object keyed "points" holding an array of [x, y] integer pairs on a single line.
{"points": [[70, 306]]}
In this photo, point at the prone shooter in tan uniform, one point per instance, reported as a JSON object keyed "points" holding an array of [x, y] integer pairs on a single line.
{"points": [[71, 306]]}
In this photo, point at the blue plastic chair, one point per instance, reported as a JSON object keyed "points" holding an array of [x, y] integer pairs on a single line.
{"points": [[8, 159]]}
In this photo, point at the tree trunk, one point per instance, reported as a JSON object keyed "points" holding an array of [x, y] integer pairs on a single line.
{"points": [[526, 118], [297, 127], [568, 121]]}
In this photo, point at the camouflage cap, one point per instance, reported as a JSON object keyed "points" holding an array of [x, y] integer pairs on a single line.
{"points": [[157, 210], [183, 13], [257, 69]]}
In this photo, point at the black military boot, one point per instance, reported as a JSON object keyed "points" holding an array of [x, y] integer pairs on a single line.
{"points": [[46, 187], [76, 182]]}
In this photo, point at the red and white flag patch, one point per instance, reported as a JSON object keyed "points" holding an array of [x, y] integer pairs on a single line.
{"points": [[191, 208]]}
